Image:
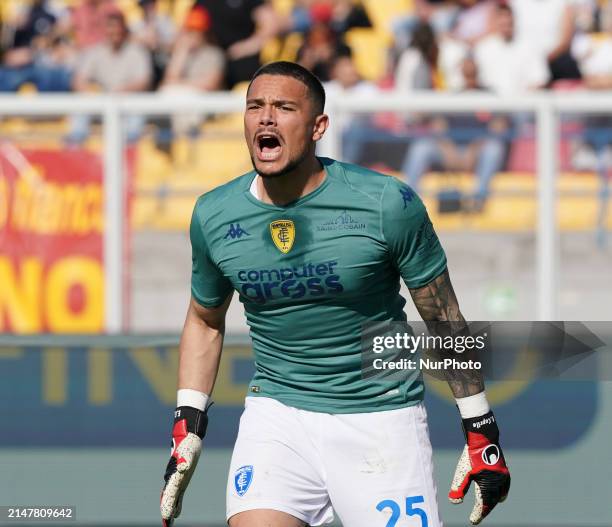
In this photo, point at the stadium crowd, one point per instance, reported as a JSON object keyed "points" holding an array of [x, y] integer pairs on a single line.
{"points": [[505, 47]]}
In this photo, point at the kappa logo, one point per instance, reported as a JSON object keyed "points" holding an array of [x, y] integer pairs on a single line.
{"points": [[242, 479], [407, 195], [283, 234], [235, 231], [490, 455]]}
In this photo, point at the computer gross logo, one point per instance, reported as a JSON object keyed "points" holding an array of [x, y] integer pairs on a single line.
{"points": [[305, 280]]}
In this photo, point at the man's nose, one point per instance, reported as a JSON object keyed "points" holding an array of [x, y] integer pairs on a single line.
{"points": [[267, 116]]}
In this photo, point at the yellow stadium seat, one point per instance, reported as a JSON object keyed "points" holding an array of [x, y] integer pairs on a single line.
{"points": [[369, 51], [382, 13]]}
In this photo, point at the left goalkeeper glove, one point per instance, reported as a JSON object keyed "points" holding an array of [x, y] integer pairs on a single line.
{"points": [[187, 434], [482, 461]]}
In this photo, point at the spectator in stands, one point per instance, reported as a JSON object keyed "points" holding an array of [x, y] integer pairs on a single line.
{"points": [[38, 20], [241, 28], [439, 14], [475, 142], [547, 26], [506, 65], [322, 45], [87, 22], [196, 65], [345, 15], [118, 65], [359, 130], [156, 32], [417, 66], [594, 149], [33, 43]]}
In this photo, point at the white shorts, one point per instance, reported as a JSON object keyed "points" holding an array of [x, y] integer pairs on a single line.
{"points": [[369, 467]]}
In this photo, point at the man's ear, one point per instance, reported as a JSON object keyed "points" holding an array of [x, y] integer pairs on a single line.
{"points": [[320, 125]]}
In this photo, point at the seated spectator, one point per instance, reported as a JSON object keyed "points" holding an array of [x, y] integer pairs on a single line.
{"points": [[506, 65], [38, 21], [322, 45], [547, 27], [461, 142], [594, 151], [156, 32], [28, 60], [417, 65], [118, 65], [241, 28], [196, 66]]}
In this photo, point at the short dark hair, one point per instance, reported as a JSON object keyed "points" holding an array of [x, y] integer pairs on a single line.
{"points": [[306, 77]]}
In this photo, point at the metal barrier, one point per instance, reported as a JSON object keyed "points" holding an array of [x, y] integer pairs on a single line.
{"points": [[545, 106]]}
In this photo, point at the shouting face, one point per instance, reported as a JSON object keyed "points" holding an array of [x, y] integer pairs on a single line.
{"points": [[281, 124]]}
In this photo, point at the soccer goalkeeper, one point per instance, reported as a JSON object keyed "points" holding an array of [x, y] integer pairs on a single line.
{"points": [[315, 248]]}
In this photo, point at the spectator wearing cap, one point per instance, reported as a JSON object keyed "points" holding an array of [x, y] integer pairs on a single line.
{"points": [[157, 33], [241, 28], [196, 65], [117, 65]]}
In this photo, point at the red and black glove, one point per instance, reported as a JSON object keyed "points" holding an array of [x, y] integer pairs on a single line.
{"points": [[187, 433], [482, 461]]}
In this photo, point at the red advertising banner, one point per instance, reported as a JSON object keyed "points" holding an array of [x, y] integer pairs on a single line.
{"points": [[51, 225]]}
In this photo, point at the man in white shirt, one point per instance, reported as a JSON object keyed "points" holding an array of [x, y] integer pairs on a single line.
{"points": [[506, 65]]}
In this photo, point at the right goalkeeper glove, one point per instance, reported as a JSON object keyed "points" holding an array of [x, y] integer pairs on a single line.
{"points": [[187, 433]]}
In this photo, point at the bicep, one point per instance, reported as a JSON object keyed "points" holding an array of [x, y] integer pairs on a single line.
{"points": [[437, 300], [211, 317]]}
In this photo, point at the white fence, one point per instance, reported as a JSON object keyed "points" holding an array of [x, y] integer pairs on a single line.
{"points": [[546, 108]]}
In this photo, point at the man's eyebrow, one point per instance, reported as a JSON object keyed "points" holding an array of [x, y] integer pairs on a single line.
{"points": [[280, 102]]}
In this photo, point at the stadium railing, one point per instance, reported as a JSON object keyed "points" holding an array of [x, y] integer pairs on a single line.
{"points": [[546, 108]]}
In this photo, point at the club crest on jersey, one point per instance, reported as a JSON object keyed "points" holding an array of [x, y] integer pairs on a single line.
{"points": [[490, 455], [242, 479], [283, 234]]}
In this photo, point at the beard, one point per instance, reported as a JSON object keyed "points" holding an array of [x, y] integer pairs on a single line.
{"points": [[287, 169]]}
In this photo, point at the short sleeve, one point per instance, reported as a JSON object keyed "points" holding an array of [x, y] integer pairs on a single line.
{"points": [[209, 287], [412, 242]]}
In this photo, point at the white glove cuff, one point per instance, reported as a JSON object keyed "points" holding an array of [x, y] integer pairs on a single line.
{"points": [[473, 405], [193, 398]]}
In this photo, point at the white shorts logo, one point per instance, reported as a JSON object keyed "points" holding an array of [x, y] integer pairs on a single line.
{"points": [[242, 479], [490, 455]]}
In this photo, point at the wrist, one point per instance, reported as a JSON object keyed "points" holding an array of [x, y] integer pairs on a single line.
{"points": [[473, 405], [193, 398]]}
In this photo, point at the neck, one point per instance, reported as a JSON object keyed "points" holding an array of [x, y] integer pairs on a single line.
{"points": [[281, 190]]}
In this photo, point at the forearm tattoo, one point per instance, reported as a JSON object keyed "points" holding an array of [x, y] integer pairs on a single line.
{"points": [[437, 302]]}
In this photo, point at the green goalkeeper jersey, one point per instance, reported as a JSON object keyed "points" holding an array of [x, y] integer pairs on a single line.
{"points": [[310, 273]]}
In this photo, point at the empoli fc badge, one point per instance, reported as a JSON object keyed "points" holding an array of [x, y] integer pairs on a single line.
{"points": [[283, 234]]}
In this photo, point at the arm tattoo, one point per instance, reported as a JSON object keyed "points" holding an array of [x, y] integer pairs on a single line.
{"points": [[437, 302]]}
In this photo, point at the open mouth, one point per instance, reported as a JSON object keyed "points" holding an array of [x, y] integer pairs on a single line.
{"points": [[268, 147]]}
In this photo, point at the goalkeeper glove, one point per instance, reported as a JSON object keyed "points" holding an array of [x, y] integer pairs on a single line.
{"points": [[187, 433], [482, 461]]}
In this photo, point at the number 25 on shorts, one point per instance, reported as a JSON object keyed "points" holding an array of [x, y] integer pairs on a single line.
{"points": [[411, 510]]}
